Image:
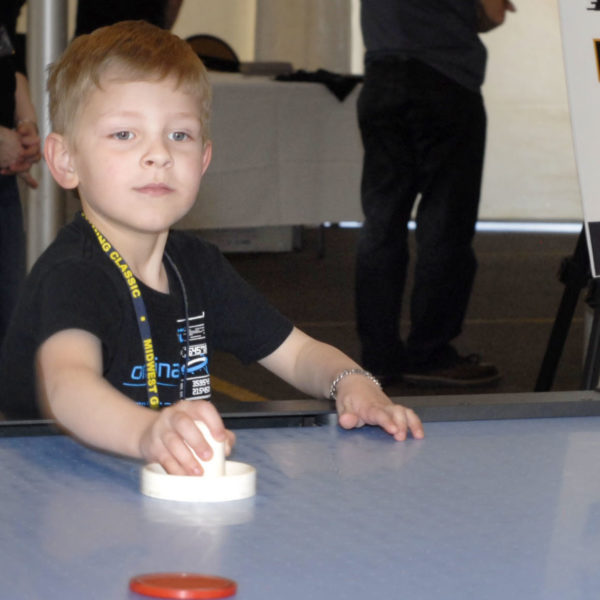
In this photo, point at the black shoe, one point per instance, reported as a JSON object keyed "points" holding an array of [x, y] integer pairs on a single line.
{"points": [[458, 371]]}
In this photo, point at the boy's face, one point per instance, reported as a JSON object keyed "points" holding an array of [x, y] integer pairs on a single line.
{"points": [[137, 154]]}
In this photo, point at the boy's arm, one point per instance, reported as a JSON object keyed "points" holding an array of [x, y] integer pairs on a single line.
{"points": [[73, 391], [491, 13], [311, 366]]}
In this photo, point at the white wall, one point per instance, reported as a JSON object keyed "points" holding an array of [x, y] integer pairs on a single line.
{"points": [[530, 167], [232, 20]]}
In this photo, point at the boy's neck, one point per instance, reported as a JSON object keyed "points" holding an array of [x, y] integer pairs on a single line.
{"points": [[143, 252]]}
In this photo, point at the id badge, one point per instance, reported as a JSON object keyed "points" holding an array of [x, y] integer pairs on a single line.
{"points": [[6, 47]]}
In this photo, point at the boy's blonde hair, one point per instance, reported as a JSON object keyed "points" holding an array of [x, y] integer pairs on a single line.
{"points": [[131, 51]]}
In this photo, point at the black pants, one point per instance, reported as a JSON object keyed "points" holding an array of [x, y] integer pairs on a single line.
{"points": [[12, 249], [423, 136]]}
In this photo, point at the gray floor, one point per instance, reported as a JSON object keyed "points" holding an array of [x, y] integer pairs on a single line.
{"points": [[513, 307]]}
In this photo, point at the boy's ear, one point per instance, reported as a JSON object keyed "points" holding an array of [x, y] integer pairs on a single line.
{"points": [[206, 156], [60, 162]]}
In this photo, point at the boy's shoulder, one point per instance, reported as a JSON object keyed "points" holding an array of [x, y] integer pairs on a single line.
{"points": [[71, 238], [72, 242], [74, 258]]}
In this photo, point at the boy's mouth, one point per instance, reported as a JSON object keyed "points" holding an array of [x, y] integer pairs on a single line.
{"points": [[154, 189]]}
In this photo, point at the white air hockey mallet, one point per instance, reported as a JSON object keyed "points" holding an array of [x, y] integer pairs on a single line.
{"points": [[223, 480]]}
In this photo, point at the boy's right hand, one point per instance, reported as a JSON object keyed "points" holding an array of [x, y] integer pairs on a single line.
{"points": [[168, 439]]}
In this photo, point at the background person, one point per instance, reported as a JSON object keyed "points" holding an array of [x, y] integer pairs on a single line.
{"points": [[19, 149], [92, 14], [423, 124]]}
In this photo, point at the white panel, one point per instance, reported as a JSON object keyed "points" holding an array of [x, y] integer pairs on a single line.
{"points": [[580, 25]]}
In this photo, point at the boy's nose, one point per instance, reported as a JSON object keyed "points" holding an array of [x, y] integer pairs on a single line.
{"points": [[157, 155]]}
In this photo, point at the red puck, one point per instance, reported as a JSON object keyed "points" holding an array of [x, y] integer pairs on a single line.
{"points": [[182, 585]]}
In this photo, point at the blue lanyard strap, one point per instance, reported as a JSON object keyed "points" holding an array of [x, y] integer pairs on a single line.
{"points": [[140, 313]]}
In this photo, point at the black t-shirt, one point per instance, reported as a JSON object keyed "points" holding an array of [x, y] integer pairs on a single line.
{"points": [[75, 284], [440, 33]]}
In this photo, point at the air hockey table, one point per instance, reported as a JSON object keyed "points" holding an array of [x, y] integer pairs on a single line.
{"points": [[492, 508]]}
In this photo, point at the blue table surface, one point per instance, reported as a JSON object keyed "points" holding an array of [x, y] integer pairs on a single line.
{"points": [[482, 509]]}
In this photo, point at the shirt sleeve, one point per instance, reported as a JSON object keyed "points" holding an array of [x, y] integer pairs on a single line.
{"points": [[241, 320], [75, 295]]}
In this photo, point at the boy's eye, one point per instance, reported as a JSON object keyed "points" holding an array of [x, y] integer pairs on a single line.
{"points": [[178, 136], [123, 135]]}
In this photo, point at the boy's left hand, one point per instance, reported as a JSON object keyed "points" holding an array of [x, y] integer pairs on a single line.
{"points": [[360, 402]]}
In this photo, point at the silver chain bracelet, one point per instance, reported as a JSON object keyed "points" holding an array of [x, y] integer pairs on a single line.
{"points": [[356, 371]]}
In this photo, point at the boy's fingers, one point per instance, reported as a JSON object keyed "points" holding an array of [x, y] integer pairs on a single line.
{"points": [[192, 436], [169, 461], [200, 410], [414, 423], [229, 442], [403, 420], [386, 417], [171, 466], [396, 420], [193, 411], [348, 420], [180, 451], [211, 417], [399, 426], [407, 420]]}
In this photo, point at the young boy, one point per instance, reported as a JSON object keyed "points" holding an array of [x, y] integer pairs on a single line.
{"points": [[118, 295]]}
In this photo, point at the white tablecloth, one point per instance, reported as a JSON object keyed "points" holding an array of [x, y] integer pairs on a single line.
{"points": [[283, 154]]}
